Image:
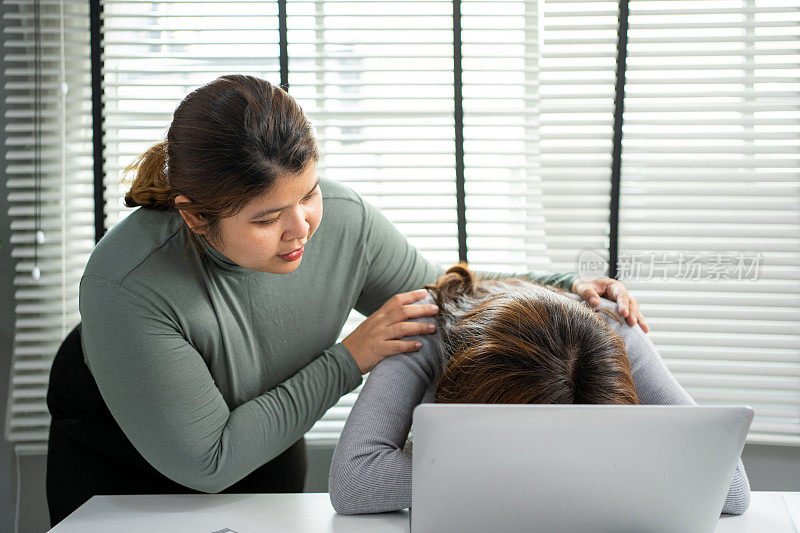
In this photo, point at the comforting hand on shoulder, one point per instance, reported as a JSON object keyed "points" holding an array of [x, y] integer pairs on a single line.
{"points": [[612, 289], [379, 335]]}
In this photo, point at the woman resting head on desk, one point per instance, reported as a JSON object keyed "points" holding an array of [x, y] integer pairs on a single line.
{"points": [[500, 341], [501, 336]]}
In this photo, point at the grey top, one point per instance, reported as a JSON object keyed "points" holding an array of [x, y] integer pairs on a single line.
{"points": [[371, 467], [211, 369]]}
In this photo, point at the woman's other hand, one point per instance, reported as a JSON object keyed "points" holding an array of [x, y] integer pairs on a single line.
{"points": [[612, 289], [376, 337]]}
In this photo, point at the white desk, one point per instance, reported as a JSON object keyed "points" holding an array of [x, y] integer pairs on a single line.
{"points": [[311, 512]]}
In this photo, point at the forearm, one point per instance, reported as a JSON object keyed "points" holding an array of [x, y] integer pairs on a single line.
{"points": [[262, 428], [369, 472], [655, 385], [209, 447], [161, 393]]}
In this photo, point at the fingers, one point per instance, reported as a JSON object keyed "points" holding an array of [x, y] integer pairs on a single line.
{"points": [[643, 324], [615, 290], [405, 298], [412, 311], [631, 309], [638, 317], [624, 305], [398, 347], [591, 296], [407, 329], [634, 315]]}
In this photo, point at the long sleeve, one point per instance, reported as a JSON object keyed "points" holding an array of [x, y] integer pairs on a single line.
{"points": [[161, 393], [655, 385], [395, 266], [370, 472]]}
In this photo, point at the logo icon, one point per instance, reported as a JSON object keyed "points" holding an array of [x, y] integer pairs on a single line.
{"points": [[591, 265]]}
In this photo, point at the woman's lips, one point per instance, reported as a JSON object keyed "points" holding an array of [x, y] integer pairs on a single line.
{"points": [[293, 256]]}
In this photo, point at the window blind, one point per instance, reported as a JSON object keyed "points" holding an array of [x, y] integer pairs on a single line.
{"points": [[501, 88], [48, 178], [538, 101], [376, 80], [155, 53], [710, 210], [577, 117], [709, 155]]}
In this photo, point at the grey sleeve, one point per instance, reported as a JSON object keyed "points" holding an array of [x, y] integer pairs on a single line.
{"points": [[162, 395], [370, 472], [655, 385], [395, 266]]}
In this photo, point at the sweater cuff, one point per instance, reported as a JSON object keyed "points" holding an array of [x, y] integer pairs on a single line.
{"points": [[349, 365], [569, 281]]}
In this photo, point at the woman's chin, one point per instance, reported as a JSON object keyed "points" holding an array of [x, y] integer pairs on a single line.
{"points": [[279, 266]]}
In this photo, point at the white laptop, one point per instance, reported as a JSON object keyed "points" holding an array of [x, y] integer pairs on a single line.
{"points": [[573, 468]]}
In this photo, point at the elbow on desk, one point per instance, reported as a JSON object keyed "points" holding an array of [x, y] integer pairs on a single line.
{"points": [[342, 505], [738, 504], [203, 475], [738, 499], [343, 494], [209, 484], [348, 487]]}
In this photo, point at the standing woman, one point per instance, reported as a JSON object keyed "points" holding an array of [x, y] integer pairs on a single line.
{"points": [[207, 346]]}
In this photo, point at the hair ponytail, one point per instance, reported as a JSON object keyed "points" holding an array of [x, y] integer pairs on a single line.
{"points": [[506, 341], [456, 283], [151, 186]]}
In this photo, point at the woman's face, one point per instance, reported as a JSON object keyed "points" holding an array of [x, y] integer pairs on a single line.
{"points": [[274, 224]]}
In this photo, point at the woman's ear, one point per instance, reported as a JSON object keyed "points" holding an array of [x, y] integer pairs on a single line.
{"points": [[192, 219]]}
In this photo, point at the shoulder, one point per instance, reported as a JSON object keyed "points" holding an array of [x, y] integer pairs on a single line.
{"points": [[333, 190], [343, 209], [422, 364], [135, 242], [611, 317], [428, 300]]}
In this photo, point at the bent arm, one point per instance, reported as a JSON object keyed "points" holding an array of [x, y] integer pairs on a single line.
{"points": [[396, 266], [655, 385], [370, 472], [162, 395]]}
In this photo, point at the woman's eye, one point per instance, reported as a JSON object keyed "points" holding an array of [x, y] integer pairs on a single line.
{"points": [[268, 222]]}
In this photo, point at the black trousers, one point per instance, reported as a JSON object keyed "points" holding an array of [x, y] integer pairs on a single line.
{"points": [[88, 454]]}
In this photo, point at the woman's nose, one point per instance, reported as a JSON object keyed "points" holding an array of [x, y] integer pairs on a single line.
{"points": [[297, 226]]}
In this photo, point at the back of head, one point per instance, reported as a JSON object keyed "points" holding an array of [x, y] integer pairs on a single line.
{"points": [[229, 141], [515, 341]]}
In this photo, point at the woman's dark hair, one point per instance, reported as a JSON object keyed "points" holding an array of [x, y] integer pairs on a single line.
{"points": [[230, 140], [515, 341]]}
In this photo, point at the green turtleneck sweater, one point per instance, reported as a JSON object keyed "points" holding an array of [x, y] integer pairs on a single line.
{"points": [[211, 369]]}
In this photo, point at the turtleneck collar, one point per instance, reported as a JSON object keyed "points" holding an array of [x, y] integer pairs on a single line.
{"points": [[219, 261]]}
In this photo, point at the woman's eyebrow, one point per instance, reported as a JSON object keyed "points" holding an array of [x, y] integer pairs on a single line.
{"points": [[270, 211]]}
